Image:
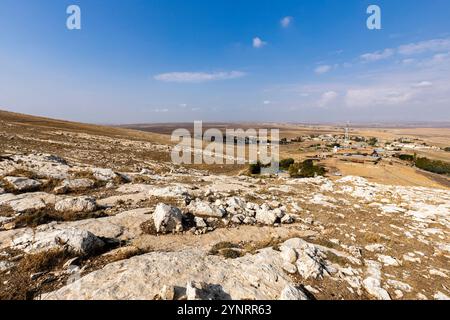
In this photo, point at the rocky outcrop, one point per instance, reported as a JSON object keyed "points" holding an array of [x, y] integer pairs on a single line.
{"points": [[27, 201], [45, 238], [23, 184], [76, 204], [258, 276], [71, 185], [293, 293]]}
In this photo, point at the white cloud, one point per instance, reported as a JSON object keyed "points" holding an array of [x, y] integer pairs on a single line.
{"points": [[408, 61], [322, 69], [425, 46], [423, 84], [197, 77], [266, 102], [183, 105], [378, 55], [163, 110], [258, 43], [286, 21], [327, 98]]}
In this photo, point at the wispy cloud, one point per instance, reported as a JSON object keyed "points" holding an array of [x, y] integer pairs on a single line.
{"points": [[198, 77], [422, 84], [433, 45], [160, 110], [322, 69], [258, 43], [327, 98], [286, 21], [378, 55]]}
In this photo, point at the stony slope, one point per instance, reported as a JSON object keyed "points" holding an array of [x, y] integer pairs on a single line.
{"points": [[115, 224]]}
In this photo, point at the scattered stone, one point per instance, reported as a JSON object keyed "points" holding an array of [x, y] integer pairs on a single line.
{"points": [[238, 218], [104, 174], [204, 209], [249, 220], [287, 219], [372, 283], [375, 247], [265, 216], [200, 223], [399, 285], [167, 218], [388, 261]]}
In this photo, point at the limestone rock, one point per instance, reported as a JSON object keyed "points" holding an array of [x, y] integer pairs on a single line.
{"points": [[310, 261], [266, 216], [200, 223], [292, 293], [167, 218], [76, 204], [204, 209], [79, 241], [70, 185], [258, 276], [23, 184], [372, 283], [104, 174]]}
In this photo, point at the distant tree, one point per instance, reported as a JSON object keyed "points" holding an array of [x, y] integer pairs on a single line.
{"points": [[306, 169], [435, 166], [406, 157], [447, 149]]}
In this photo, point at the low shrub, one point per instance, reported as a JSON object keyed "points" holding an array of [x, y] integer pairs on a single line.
{"points": [[286, 163]]}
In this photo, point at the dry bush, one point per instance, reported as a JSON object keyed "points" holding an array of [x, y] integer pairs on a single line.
{"points": [[227, 250]]}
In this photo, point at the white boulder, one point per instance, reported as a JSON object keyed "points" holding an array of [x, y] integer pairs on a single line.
{"points": [[167, 218]]}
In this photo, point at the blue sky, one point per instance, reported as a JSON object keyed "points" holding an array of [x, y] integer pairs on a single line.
{"points": [[172, 60]]}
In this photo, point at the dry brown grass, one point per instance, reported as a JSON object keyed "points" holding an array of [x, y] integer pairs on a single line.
{"points": [[49, 214], [17, 284], [6, 211]]}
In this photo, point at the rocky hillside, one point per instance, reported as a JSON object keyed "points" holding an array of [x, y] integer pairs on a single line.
{"points": [[88, 213]]}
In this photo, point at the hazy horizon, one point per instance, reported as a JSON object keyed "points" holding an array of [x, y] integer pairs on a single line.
{"points": [[254, 61]]}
